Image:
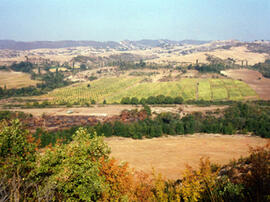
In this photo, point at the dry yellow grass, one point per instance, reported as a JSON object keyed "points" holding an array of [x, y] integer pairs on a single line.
{"points": [[15, 79], [237, 53], [170, 155]]}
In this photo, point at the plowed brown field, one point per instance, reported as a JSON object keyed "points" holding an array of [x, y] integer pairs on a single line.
{"points": [[254, 79]]}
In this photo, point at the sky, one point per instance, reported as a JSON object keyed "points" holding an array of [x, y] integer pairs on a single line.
{"points": [[117, 20]]}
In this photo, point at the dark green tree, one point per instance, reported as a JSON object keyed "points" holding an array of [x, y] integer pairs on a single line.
{"points": [[178, 100], [134, 101], [125, 100]]}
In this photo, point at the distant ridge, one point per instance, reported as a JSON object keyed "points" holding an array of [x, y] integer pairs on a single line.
{"points": [[20, 45], [145, 43]]}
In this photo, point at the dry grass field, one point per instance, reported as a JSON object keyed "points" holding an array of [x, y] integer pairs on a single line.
{"points": [[237, 53], [169, 155], [15, 79]]}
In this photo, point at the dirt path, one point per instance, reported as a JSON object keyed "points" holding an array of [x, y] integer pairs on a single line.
{"points": [[106, 110], [169, 155], [111, 110]]}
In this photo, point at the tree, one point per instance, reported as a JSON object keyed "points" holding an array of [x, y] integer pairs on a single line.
{"points": [[120, 129], [1, 92], [17, 157], [147, 109], [151, 100], [178, 100], [143, 101], [134, 101], [160, 99], [118, 178], [142, 63], [189, 124], [200, 184], [125, 100], [72, 171], [179, 128], [228, 129], [83, 67], [168, 100]]}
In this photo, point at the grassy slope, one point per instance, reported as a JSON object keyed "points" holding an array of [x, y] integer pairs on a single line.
{"points": [[113, 89]]}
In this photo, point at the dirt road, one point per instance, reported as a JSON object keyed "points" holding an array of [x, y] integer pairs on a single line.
{"points": [[111, 110]]}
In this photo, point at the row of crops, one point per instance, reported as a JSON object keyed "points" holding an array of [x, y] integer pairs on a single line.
{"points": [[113, 89]]}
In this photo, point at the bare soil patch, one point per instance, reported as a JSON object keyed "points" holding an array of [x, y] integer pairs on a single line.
{"points": [[169, 155], [254, 79]]}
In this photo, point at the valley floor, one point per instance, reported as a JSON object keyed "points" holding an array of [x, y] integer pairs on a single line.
{"points": [[169, 155]]}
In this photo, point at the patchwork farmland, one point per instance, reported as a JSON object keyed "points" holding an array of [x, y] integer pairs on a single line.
{"points": [[113, 89]]}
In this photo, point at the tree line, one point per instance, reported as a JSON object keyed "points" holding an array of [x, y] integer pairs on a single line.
{"points": [[264, 68], [160, 99], [240, 118]]}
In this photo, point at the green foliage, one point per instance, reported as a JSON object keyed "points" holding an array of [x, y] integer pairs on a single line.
{"points": [[229, 191], [17, 158], [16, 152], [22, 67], [216, 68], [178, 100], [82, 170], [134, 101], [83, 67], [160, 99], [125, 100], [92, 78], [147, 109], [139, 65], [264, 68], [72, 171]]}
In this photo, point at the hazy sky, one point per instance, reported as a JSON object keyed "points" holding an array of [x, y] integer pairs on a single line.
{"points": [[104, 20]]}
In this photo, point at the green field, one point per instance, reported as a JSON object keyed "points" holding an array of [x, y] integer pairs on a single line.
{"points": [[113, 89]]}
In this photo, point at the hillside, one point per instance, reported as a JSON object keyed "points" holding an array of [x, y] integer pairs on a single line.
{"points": [[113, 89], [145, 43], [158, 51]]}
